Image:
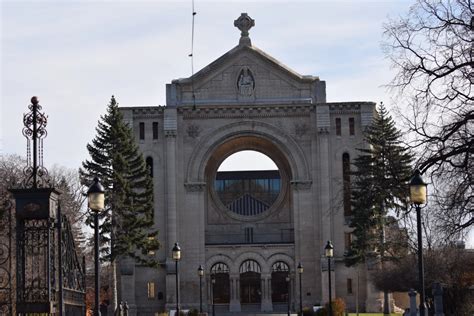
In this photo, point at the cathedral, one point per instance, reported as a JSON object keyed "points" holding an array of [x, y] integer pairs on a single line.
{"points": [[249, 230]]}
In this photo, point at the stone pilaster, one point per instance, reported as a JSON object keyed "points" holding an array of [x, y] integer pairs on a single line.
{"points": [[127, 283], [234, 305], [323, 127], [170, 130], [266, 293]]}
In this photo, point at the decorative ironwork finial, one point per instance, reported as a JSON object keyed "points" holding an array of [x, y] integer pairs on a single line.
{"points": [[244, 23], [34, 130]]}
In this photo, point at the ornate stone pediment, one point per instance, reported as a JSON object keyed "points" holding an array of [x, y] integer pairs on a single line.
{"points": [[243, 75]]}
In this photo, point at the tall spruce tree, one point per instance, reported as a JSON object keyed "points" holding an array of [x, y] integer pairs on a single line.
{"points": [[382, 170], [379, 187], [127, 221]]}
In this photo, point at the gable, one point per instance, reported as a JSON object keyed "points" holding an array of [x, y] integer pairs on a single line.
{"points": [[245, 75]]}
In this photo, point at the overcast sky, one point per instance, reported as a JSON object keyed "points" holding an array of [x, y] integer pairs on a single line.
{"points": [[75, 54]]}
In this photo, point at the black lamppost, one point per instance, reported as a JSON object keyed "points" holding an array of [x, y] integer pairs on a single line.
{"points": [[418, 197], [213, 282], [329, 251], [201, 274], [95, 197], [300, 273], [176, 253], [289, 297]]}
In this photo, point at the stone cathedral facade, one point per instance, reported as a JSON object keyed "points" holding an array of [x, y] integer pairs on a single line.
{"points": [[249, 230]]}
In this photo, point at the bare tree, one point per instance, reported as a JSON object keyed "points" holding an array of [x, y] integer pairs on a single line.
{"points": [[450, 265], [431, 49], [66, 180]]}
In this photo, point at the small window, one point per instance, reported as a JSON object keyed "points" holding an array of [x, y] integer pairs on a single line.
{"points": [[351, 126], [142, 130], [149, 165], [249, 234], [151, 290], [347, 240], [338, 126], [346, 179], [349, 286], [155, 130]]}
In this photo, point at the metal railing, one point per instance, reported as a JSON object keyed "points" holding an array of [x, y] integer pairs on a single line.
{"points": [[285, 236]]}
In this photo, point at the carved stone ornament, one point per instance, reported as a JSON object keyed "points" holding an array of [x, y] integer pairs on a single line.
{"points": [[323, 130], [195, 186], [244, 23], [300, 129], [301, 185], [246, 82], [193, 131]]}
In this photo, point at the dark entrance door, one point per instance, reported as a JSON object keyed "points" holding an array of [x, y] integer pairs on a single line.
{"points": [[280, 274], [250, 291], [221, 285]]}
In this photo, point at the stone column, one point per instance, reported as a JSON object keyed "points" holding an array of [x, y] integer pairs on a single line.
{"points": [[170, 131], [127, 283], [234, 305], [266, 297], [323, 126]]}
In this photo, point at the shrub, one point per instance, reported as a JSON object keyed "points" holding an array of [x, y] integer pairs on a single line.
{"points": [[307, 311], [338, 307], [193, 312], [322, 312]]}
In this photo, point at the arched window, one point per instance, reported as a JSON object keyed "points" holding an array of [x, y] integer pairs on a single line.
{"points": [[280, 282], [280, 266], [149, 165], [250, 266], [346, 178], [250, 282], [219, 267], [220, 283]]}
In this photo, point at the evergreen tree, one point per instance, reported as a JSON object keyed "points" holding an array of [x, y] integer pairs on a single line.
{"points": [[127, 221], [379, 185]]}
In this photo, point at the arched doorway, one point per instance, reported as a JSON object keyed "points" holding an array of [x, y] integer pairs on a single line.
{"points": [[221, 286], [280, 282], [250, 282]]}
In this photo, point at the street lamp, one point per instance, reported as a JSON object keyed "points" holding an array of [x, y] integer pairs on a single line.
{"points": [[176, 253], [288, 285], [95, 197], [201, 274], [329, 251], [300, 272], [213, 282], [418, 197]]}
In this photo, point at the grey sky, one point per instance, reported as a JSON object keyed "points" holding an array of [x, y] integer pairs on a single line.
{"points": [[75, 54]]}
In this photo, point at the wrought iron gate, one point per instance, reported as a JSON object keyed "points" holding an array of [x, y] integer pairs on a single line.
{"points": [[45, 275], [6, 262]]}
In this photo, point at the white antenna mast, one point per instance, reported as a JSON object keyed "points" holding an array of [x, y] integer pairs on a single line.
{"points": [[192, 58]]}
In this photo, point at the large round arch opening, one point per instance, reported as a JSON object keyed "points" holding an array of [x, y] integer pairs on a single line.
{"points": [[246, 190], [247, 183]]}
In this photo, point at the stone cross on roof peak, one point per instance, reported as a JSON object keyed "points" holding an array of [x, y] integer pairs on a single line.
{"points": [[244, 23]]}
